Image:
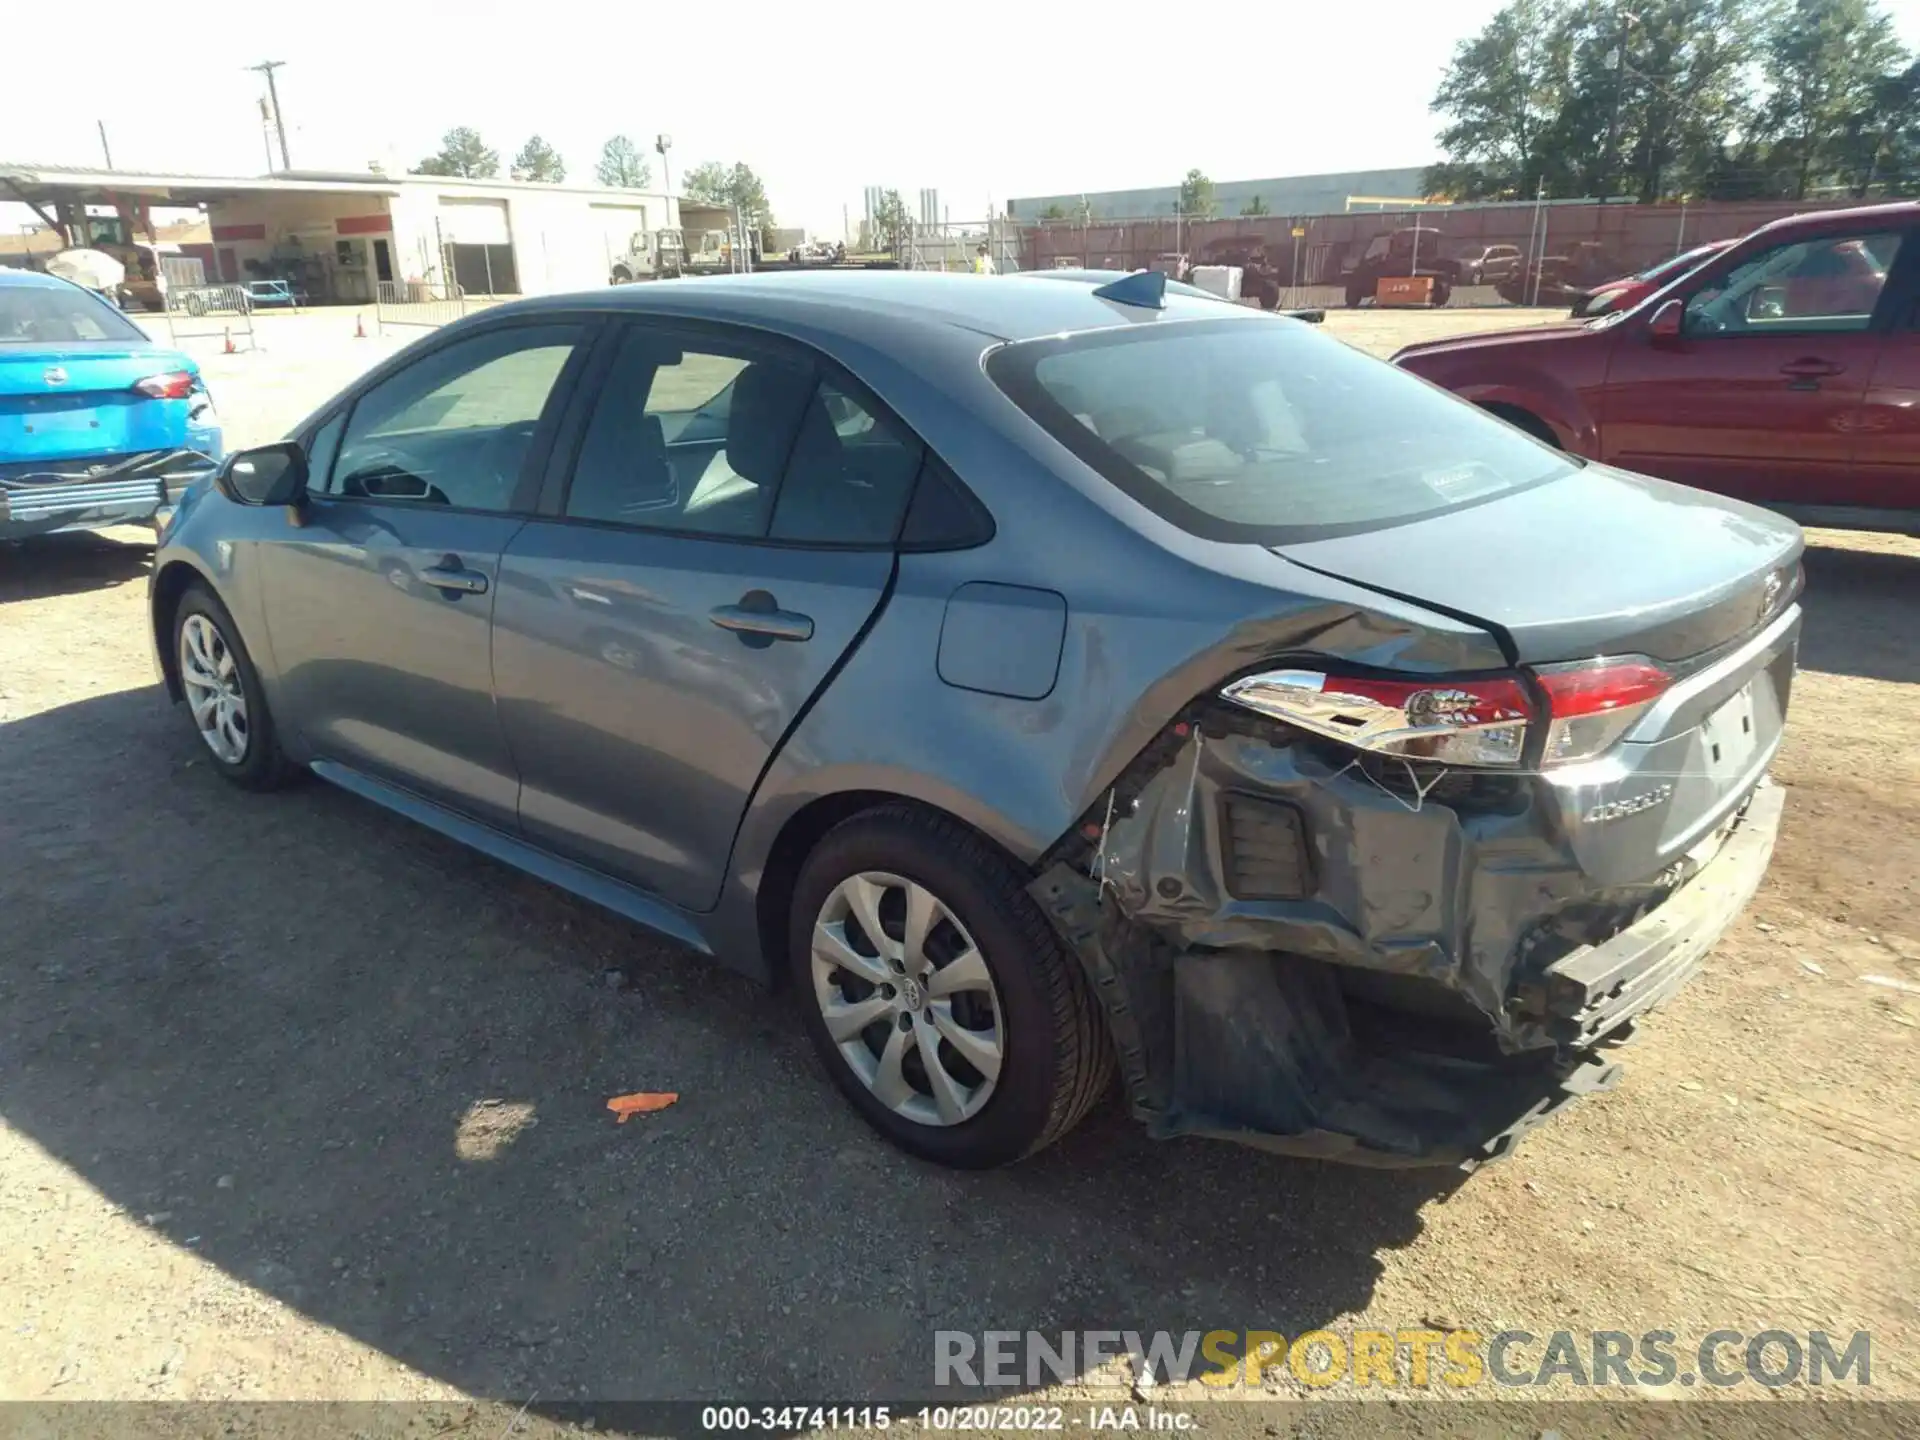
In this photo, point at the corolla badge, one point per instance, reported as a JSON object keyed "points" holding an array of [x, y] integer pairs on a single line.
{"points": [[1633, 805], [54, 375]]}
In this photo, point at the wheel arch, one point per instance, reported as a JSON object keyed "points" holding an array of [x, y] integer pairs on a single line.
{"points": [[1552, 410], [170, 583], [1523, 419], [801, 832]]}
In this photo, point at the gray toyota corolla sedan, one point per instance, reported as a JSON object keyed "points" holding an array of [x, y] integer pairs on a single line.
{"points": [[1034, 678]]}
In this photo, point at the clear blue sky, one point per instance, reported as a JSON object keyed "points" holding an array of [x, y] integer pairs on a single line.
{"points": [[980, 100]]}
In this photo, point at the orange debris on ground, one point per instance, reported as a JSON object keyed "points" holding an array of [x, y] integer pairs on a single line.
{"points": [[643, 1102]]}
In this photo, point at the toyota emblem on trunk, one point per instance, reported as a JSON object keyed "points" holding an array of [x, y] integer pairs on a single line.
{"points": [[54, 375], [1776, 582]]}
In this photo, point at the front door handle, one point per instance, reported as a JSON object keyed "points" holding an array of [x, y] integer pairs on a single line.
{"points": [[451, 575], [1811, 369], [758, 619]]}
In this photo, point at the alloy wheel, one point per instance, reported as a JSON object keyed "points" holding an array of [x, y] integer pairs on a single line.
{"points": [[907, 998], [211, 678]]}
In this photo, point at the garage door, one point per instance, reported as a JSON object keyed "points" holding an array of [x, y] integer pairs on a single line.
{"points": [[612, 228], [479, 245]]}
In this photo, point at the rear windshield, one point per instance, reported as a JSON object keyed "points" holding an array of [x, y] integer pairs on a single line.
{"points": [[1265, 431], [58, 315]]}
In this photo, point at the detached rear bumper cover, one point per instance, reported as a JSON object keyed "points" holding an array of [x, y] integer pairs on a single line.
{"points": [[134, 491], [1249, 1043]]}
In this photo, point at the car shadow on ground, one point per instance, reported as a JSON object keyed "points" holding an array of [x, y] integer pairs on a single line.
{"points": [[1859, 608], [68, 564], [364, 1072]]}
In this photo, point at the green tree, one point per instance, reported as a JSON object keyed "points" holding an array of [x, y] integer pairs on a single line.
{"points": [[1504, 91], [1256, 206], [1883, 145], [891, 223], [1684, 69], [462, 152], [1826, 62], [1196, 195], [736, 186], [1055, 211], [622, 165], [539, 161]]}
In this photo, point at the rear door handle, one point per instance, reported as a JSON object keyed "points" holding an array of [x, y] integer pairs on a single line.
{"points": [[758, 618], [451, 575], [1811, 369]]}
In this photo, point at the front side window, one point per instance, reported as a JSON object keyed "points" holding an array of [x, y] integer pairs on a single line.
{"points": [[1815, 286], [455, 427], [1262, 430], [59, 315]]}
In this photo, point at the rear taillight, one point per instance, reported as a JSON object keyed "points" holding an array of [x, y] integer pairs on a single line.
{"points": [[1454, 722], [1592, 704], [1482, 722], [169, 385]]}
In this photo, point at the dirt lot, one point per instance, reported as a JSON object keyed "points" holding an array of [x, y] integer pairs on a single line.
{"points": [[299, 1101]]}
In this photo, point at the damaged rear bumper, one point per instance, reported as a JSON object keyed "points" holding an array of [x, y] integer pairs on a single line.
{"points": [[1275, 1044]]}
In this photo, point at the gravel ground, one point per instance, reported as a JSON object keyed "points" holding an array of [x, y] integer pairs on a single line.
{"points": [[299, 1101]]}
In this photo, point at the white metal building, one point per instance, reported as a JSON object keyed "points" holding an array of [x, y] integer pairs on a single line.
{"points": [[338, 234]]}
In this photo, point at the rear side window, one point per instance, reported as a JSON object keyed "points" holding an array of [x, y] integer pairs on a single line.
{"points": [[59, 314], [849, 475], [1263, 430]]}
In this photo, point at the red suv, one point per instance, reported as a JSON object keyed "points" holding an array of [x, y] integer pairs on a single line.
{"points": [[1785, 371]]}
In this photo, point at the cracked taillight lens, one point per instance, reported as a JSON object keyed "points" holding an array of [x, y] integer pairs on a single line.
{"points": [[1592, 704], [169, 385], [1450, 722]]}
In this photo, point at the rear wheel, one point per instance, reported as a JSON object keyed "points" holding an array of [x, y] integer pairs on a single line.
{"points": [[1440, 294], [937, 994], [1354, 297]]}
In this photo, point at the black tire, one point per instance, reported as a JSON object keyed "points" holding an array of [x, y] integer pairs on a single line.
{"points": [[622, 276], [263, 766], [1440, 294], [1057, 1061], [1354, 297]]}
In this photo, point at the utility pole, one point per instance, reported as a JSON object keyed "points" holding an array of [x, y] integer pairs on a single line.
{"points": [[104, 150], [1616, 61], [266, 68]]}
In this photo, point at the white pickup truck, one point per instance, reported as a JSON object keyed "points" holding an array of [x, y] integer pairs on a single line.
{"points": [[651, 255]]}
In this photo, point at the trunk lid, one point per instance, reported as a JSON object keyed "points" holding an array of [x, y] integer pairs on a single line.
{"points": [[1597, 562], [76, 400]]}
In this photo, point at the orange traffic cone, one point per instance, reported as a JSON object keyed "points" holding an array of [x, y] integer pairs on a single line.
{"points": [[359, 327], [226, 332]]}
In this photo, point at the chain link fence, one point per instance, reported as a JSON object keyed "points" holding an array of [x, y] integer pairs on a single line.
{"points": [[211, 312]]}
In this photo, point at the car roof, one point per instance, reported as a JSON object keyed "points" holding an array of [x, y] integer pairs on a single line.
{"points": [[1901, 213], [1002, 307], [31, 279]]}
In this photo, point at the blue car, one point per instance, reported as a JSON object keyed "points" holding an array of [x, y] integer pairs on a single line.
{"points": [[98, 425]]}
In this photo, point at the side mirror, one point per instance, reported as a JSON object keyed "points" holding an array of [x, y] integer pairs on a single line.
{"points": [[265, 475], [1664, 324]]}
